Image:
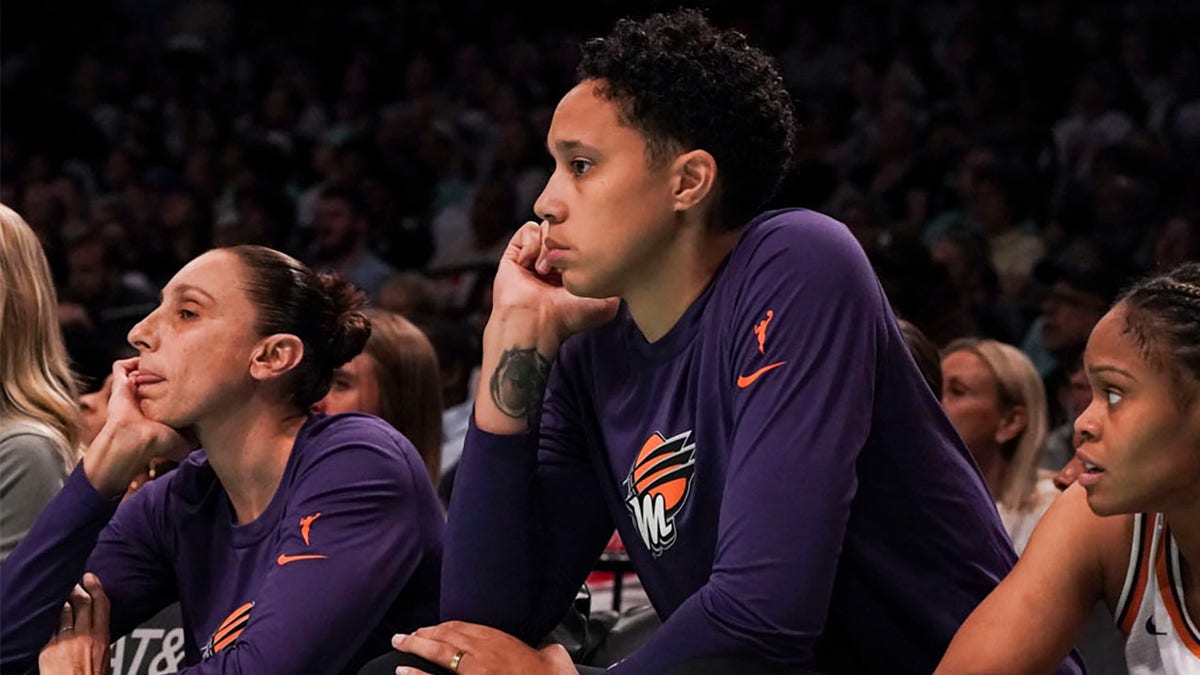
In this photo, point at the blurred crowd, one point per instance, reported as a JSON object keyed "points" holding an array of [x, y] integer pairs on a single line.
{"points": [[1007, 166]]}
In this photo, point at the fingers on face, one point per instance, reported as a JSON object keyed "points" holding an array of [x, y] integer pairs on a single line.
{"points": [[528, 243], [124, 367]]}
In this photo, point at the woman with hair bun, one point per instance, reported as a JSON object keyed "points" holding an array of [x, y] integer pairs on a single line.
{"points": [[294, 543]]}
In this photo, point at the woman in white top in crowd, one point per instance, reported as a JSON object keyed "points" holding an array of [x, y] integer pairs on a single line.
{"points": [[995, 398]]}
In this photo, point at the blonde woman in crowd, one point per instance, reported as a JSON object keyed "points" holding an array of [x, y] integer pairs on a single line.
{"points": [[39, 421], [994, 397]]}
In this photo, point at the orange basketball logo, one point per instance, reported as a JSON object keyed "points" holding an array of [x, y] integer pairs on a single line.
{"points": [[657, 487], [760, 331]]}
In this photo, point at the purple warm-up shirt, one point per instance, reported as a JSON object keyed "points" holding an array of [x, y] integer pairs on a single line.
{"points": [[347, 552], [786, 484]]}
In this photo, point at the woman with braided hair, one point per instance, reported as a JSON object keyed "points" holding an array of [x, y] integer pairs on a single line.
{"points": [[1128, 533]]}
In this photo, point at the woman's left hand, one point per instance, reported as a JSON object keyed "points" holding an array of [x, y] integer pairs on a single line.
{"points": [[472, 649], [80, 646]]}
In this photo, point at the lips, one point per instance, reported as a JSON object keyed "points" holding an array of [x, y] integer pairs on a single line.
{"points": [[554, 252], [142, 378], [1091, 471]]}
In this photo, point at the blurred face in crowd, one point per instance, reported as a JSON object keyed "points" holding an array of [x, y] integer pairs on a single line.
{"points": [[195, 350], [491, 213], [94, 410], [354, 388], [1140, 444], [339, 230], [88, 275], [972, 400], [1069, 315]]}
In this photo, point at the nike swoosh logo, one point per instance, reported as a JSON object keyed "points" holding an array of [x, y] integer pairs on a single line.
{"points": [[744, 381], [284, 559]]}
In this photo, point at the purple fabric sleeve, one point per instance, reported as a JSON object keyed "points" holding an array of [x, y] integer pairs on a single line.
{"points": [[39, 575], [526, 524]]}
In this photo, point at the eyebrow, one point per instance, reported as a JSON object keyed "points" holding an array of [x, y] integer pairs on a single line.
{"points": [[1095, 370], [186, 288], [571, 146]]}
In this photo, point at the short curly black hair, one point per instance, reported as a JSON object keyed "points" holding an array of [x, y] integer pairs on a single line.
{"points": [[686, 85]]}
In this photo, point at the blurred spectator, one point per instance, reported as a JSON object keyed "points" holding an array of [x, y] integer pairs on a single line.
{"points": [[40, 430], [396, 378], [341, 241], [458, 361], [409, 294], [925, 353], [1081, 281], [492, 223], [102, 301], [995, 399]]}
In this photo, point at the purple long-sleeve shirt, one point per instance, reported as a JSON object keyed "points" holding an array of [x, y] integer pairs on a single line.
{"points": [[347, 552], [786, 484]]}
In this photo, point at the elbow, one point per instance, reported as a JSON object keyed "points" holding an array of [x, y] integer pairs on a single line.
{"points": [[762, 625]]}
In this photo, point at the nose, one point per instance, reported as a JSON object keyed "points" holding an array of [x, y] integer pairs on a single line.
{"points": [[1087, 425], [320, 406], [140, 335], [548, 206]]}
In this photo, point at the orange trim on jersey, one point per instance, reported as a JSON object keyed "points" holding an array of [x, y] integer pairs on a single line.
{"points": [[233, 617], [1141, 577], [217, 647], [1171, 600], [232, 631]]}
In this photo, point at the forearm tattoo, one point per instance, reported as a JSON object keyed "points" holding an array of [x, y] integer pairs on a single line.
{"points": [[519, 383]]}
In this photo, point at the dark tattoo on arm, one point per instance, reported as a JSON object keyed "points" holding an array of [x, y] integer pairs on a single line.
{"points": [[519, 383]]}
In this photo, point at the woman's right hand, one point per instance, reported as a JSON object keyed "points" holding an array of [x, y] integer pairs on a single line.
{"points": [[532, 313], [128, 439], [525, 283]]}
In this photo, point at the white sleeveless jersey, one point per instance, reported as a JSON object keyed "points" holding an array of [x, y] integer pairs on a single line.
{"points": [[1160, 637]]}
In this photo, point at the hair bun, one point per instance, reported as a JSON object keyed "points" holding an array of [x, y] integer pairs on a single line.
{"points": [[349, 328]]}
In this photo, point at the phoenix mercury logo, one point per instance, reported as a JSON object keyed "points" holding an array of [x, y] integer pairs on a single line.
{"points": [[657, 488]]}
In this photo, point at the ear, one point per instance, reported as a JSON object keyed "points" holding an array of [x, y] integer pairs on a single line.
{"points": [[1013, 424], [275, 355], [694, 174]]}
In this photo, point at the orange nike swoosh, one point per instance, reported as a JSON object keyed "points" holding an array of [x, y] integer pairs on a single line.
{"points": [[744, 381], [284, 559]]}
